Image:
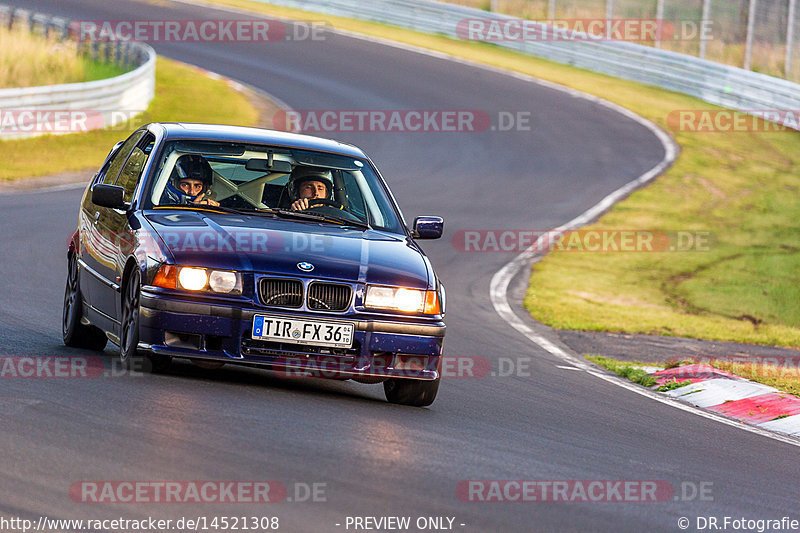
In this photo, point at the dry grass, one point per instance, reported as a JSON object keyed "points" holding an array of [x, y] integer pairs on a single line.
{"points": [[28, 60]]}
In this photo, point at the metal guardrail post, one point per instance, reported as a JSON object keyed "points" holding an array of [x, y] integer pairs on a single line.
{"points": [[751, 20], [659, 22], [551, 9], [787, 70], [609, 16], [704, 17]]}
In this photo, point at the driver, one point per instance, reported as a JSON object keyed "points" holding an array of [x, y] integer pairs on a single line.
{"points": [[309, 183], [191, 180]]}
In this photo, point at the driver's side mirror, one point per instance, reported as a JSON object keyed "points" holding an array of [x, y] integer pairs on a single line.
{"points": [[428, 227], [112, 196]]}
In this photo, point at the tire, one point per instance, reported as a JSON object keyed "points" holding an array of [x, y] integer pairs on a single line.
{"points": [[129, 355], [411, 391], [73, 333]]}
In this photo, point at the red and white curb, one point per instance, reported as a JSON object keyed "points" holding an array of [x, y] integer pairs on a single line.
{"points": [[735, 397]]}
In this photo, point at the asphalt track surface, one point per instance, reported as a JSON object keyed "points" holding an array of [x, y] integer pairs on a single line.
{"points": [[375, 459]]}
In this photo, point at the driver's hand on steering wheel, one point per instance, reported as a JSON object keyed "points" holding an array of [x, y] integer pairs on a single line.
{"points": [[301, 205], [206, 200]]}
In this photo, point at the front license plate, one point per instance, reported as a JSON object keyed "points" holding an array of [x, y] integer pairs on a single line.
{"points": [[313, 332]]}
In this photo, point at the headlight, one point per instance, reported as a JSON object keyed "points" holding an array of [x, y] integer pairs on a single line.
{"points": [[402, 299], [198, 279], [193, 279], [223, 281]]}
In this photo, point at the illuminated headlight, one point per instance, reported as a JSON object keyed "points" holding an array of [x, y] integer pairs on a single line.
{"points": [[402, 299], [192, 279], [198, 279]]}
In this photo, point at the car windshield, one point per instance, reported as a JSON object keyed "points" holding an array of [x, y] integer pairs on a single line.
{"points": [[255, 178]]}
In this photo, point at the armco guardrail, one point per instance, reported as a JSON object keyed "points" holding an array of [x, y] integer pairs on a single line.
{"points": [[75, 107], [712, 82]]}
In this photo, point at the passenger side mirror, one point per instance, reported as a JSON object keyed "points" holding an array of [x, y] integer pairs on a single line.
{"points": [[428, 227]]}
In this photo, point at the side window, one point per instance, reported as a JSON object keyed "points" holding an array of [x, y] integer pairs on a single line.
{"points": [[129, 176], [132, 170], [116, 163]]}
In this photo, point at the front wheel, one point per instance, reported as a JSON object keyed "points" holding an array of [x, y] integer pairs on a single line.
{"points": [[73, 333], [129, 355], [410, 391]]}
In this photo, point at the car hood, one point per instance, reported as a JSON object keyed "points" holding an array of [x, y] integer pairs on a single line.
{"points": [[283, 246]]}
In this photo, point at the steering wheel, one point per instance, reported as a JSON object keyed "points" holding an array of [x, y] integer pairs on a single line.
{"points": [[324, 201]]}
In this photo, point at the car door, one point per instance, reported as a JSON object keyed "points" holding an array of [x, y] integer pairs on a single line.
{"points": [[114, 231], [96, 222]]}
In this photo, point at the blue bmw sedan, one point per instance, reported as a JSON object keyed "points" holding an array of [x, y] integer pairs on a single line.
{"points": [[223, 244]]}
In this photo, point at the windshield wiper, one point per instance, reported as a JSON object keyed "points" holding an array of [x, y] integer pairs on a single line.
{"points": [[259, 212], [322, 218]]}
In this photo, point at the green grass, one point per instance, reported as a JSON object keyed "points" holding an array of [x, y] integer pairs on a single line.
{"points": [[97, 70], [742, 188], [673, 384], [626, 369], [183, 93]]}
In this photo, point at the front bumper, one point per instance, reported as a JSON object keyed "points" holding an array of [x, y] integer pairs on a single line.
{"points": [[216, 332]]}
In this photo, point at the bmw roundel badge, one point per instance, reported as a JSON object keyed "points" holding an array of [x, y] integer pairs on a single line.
{"points": [[305, 266]]}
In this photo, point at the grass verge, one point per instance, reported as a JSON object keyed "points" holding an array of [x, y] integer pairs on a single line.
{"points": [[627, 369], [183, 93], [740, 187], [784, 377]]}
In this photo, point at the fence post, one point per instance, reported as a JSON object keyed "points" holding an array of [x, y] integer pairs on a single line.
{"points": [[609, 16], [751, 21], [787, 70], [659, 22], [704, 17], [551, 10], [493, 6]]}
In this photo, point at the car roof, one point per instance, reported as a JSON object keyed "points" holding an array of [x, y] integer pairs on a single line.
{"points": [[221, 132]]}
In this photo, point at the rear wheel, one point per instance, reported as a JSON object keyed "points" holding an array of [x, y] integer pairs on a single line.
{"points": [[73, 332], [129, 354], [411, 391]]}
